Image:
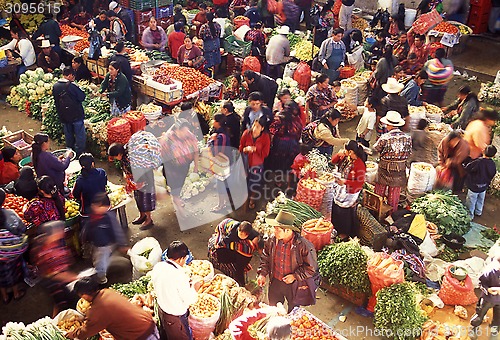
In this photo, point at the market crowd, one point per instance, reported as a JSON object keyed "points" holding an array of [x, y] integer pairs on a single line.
{"points": [[274, 134]]}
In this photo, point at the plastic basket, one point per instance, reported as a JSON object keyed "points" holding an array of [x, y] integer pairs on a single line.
{"points": [[237, 47], [144, 16], [347, 72], [164, 12], [141, 5], [136, 124], [163, 3]]}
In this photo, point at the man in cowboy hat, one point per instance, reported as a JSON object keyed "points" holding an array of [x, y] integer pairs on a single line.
{"points": [[393, 101], [48, 59], [394, 148], [287, 257], [278, 52]]}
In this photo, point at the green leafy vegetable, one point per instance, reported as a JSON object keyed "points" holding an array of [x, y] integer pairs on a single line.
{"points": [[139, 286], [345, 264], [445, 210], [146, 253], [397, 312]]}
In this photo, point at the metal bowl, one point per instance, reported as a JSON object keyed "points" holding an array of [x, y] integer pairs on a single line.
{"points": [[61, 152]]}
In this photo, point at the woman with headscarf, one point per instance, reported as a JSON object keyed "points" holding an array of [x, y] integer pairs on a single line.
{"points": [[53, 258], [46, 164], [327, 133], [210, 34], [90, 182], [384, 70], [285, 130], [440, 72], [351, 166], [25, 186], [116, 88], [10, 170], [179, 148], [143, 187], [47, 206], [12, 231]]}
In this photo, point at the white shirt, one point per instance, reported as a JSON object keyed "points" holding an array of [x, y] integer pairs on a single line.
{"points": [[222, 24], [367, 121], [173, 290], [24, 48]]}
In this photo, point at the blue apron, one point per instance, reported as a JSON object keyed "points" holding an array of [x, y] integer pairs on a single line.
{"points": [[333, 63]]}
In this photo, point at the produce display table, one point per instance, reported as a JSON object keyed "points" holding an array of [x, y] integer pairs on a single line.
{"points": [[139, 84], [121, 213]]}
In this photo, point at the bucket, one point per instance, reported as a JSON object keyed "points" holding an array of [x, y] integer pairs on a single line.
{"points": [[410, 15], [25, 161]]}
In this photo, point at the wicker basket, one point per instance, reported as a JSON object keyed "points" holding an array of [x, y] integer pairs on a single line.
{"points": [[356, 298], [311, 197]]}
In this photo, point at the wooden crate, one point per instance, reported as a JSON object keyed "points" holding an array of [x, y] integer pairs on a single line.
{"points": [[165, 97], [94, 67], [356, 298], [12, 140], [104, 62]]}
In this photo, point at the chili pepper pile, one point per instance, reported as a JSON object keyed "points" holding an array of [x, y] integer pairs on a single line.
{"points": [[80, 45], [446, 27], [15, 203], [191, 79]]}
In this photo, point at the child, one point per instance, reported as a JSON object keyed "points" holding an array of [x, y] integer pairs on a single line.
{"points": [[366, 123], [299, 162], [104, 232], [378, 46], [410, 65], [480, 174]]}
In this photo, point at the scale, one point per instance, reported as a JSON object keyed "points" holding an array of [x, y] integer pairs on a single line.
{"points": [[149, 67]]}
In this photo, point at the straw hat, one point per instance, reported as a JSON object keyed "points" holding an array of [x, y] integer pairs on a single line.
{"points": [[393, 118], [283, 220], [283, 30], [392, 86], [46, 44]]}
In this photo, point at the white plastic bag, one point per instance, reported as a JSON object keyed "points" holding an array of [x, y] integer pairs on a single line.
{"points": [[203, 327], [422, 178], [142, 265], [428, 246], [371, 172], [356, 58], [66, 315]]}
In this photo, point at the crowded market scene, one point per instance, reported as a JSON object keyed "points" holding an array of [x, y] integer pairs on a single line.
{"points": [[249, 169]]}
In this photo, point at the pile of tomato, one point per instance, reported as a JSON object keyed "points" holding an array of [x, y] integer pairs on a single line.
{"points": [[309, 328], [446, 27], [15, 203]]}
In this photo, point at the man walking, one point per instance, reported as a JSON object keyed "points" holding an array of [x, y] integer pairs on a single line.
{"points": [[68, 99], [287, 257], [125, 17], [174, 292]]}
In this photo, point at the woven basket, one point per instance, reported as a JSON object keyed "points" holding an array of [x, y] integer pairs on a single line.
{"points": [[356, 298], [135, 124], [119, 130], [311, 197]]}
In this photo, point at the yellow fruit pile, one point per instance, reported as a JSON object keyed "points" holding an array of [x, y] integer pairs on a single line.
{"points": [[72, 209]]}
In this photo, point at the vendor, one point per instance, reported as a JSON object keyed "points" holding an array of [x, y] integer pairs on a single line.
{"points": [[440, 72], [123, 60], [200, 18], [48, 59], [80, 70], [231, 248], [80, 19], [258, 38], [116, 88], [352, 38], [47, 206], [413, 89], [154, 37], [46, 163], [21, 46], [351, 166], [113, 312], [395, 149], [190, 55], [393, 102], [176, 40], [50, 30], [143, 187], [10, 171], [332, 54], [101, 21], [401, 47], [278, 52], [25, 186], [419, 47], [89, 182], [452, 152], [463, 109], [327, 133], [320, 98]]}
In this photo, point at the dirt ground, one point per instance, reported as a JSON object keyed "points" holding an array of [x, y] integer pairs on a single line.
{"points": [[329, 307]]}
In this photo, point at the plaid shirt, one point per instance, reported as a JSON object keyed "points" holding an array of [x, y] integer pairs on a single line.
{"points": [[257, 38], [394, 146], [283, 259]]}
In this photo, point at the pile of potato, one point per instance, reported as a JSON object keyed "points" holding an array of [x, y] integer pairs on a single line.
{"points": [[206, 306], [216, 286], [201, 268], [70, 325]]}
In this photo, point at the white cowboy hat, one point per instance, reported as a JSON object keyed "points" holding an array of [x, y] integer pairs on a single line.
{"points": [[113, 5], [283, 30], [46, 44], [392, 86], [393, 118]]}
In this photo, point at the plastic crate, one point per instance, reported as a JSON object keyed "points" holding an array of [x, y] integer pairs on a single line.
{"points": [[143, 16], [164, 12], [21, 141], [141, 5], [237, 47], [163, 3]]}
